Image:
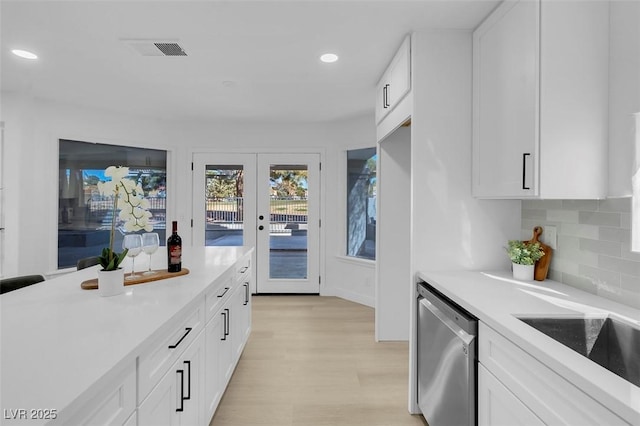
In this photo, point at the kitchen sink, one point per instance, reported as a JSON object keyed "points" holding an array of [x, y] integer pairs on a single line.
{"points": [[610, 343]]}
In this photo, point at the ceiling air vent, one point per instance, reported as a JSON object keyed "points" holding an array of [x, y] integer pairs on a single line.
{"points": [[156, 47], [170, 49]]}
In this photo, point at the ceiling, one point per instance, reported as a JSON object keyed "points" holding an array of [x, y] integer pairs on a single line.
{"points": [[246, 60]]}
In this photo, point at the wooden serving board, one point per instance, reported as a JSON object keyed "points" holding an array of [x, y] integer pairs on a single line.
{"points": [[542, 266], [160, 274]]}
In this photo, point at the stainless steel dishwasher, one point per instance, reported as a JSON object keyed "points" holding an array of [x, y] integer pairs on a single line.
{"points": [[447, 361]]}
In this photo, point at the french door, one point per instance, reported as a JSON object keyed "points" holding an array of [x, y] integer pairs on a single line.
{"points": [[268, 201]]}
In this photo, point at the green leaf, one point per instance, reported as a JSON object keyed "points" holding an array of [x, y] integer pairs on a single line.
{"points": [[121, 257]]}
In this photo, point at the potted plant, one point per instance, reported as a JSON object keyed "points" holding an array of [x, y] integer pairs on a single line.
{"points": [[135, 214], [524, 256]]}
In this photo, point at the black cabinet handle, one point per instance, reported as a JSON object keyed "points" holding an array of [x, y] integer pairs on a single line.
{"points": [[384, 97], [226, 289], [387, 88], [260, 227], [188, 364], [524, 170], [181, 373], [188, 330], [246, 294], [244, 269], [224, 332], [261, 217], [227, 326]]}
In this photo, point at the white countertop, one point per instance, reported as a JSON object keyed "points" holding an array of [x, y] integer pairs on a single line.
{"points": [[58, 340], [497, 299]]}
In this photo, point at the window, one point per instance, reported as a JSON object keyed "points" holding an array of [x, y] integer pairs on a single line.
{"points": [[361, 203], [84, 216]]}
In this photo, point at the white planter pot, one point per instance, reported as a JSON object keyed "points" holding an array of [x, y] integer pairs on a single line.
{"points": [[111, 283], [523, 272]]}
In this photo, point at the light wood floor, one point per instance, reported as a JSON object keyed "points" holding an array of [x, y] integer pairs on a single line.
{"points": [[313, 360]]}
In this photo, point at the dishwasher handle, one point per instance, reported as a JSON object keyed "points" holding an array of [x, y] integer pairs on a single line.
{"points": [[451, 324]]}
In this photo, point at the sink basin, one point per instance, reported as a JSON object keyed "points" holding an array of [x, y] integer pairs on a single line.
{"points": [[612, 344]]}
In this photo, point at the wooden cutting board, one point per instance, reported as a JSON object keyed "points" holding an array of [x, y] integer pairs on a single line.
{"points": [[542, 266], [160, 274]]}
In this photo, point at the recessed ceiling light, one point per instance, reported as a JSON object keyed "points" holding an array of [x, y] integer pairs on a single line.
{"points": [[24, 54], [329, 57]]}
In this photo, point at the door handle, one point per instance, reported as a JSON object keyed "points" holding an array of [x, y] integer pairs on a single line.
{"points": [[187, 331], [181, 373], [384, 97], [524, 170], [387, 87], [188, 364], [224, 331]]}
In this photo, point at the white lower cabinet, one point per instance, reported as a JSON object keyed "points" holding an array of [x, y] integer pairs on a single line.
{"points": [[215, 360], [513, 384], [497, 406], [177, 399], [226, 334], [114, 405], [181, 374], [241, 307], [158, 357]]}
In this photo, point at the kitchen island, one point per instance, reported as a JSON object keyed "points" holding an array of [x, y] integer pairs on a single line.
{"points": [[69, 356], [525, 376]]}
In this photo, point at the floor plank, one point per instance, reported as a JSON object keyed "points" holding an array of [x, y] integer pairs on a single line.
{"points": [[313, 360]]}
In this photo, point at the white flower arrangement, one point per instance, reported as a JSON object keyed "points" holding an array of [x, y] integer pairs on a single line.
{"points": [[134, 211]]}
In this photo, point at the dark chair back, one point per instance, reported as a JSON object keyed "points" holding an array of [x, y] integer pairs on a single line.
{"points": [[10, 284], [87, 261]]}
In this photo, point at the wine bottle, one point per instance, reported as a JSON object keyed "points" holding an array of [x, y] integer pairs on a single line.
{"points": [[174, 250]]}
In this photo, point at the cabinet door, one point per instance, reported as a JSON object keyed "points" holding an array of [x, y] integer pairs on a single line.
{"points": [[400, 75], [159, 408], [225, 353], [190, 391], [241, 309], [499, 407], [505, 102], [214, 386], [114, 405], [396, 81], [177, 398], [156, 359]]}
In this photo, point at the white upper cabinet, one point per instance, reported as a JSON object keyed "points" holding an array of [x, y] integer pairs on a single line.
{"points": [[540, 101], [395, 82]]}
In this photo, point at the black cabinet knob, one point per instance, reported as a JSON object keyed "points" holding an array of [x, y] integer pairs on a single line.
{"points": [[261, 217], [260, 227]]}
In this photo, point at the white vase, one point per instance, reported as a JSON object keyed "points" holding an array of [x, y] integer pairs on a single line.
{"points": [[110, 283], [523, 272]]}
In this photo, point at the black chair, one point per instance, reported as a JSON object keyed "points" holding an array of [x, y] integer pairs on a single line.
{"points": [[10, 284], [87, 261]]}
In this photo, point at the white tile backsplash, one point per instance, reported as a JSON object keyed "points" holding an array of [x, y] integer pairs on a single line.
{"points": [[593, 251]]}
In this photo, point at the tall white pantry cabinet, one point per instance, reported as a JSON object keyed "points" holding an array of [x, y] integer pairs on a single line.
{"points": [[540, 101]]}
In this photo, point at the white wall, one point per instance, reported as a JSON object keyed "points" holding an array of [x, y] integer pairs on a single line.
{"points": [[451, 229], [32, 130], [394, 236]]}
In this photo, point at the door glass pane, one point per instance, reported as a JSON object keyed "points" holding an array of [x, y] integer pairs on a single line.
{"points": [[224, 206], [288, 222]]}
